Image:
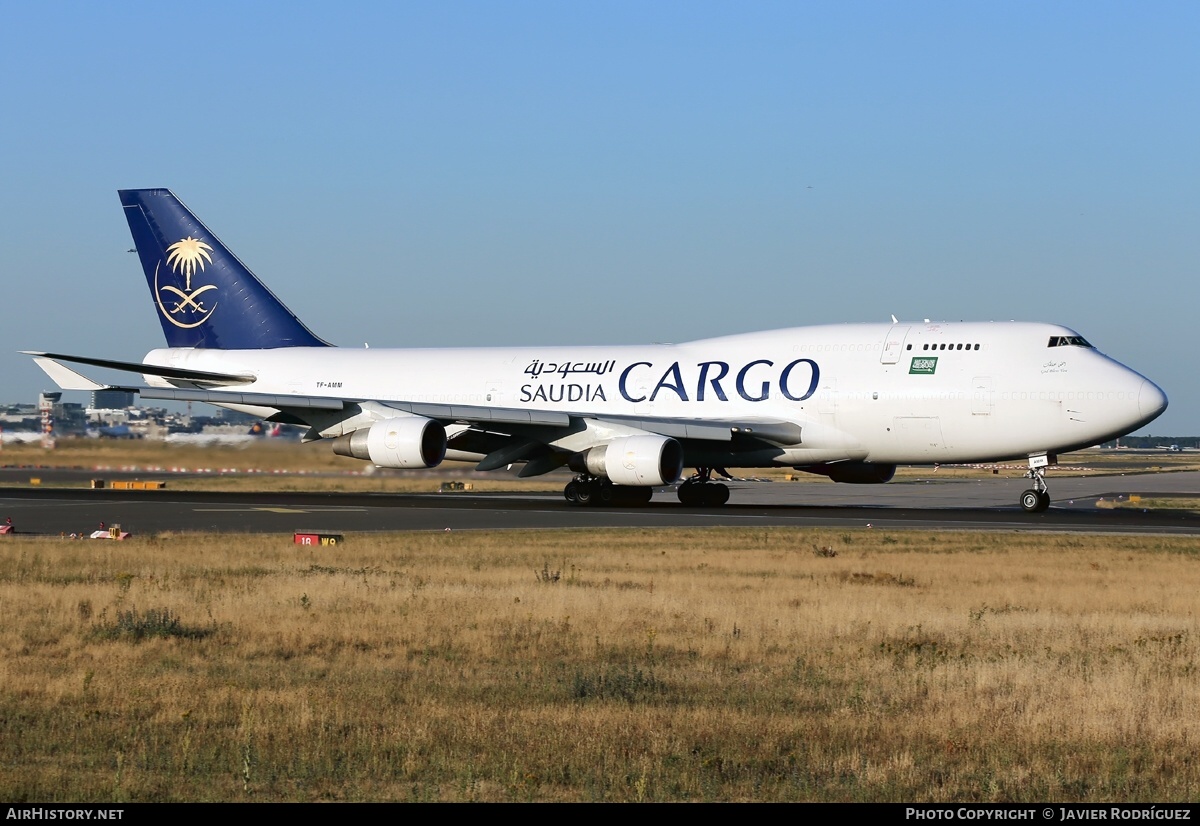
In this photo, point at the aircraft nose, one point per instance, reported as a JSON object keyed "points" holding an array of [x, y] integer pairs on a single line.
{"points": [[1151, 400]]}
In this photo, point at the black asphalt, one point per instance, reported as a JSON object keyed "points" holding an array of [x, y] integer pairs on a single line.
{"points": [[58, 511]]}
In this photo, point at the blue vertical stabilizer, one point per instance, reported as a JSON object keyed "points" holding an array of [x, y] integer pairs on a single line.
{"points": [[204, 296]]}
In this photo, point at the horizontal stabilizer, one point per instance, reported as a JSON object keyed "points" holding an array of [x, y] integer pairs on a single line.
{"points": [[65, 377], [178, 373]]}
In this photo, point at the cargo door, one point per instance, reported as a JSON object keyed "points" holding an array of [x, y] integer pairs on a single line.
{"points": [[983, 398], [893, 345], [920, 437]]}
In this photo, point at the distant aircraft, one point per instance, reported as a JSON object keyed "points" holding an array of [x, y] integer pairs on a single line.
{"points": [[117, 431], [850, 402]]}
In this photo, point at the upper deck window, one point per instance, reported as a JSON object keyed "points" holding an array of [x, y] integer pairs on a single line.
{"points": [[1068, 341]]}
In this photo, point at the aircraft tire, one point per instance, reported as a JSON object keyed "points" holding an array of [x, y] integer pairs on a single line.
{"points": [[1044, 502], [606, 494], [1031, 501], [632, 496], [571, 492], [586, 495], [715, 495], [689, 494]]}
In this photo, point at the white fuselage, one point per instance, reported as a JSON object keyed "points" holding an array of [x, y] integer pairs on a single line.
{"points": [[899, 394]]}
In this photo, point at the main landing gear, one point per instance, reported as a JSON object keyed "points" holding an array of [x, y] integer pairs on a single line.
{"points": [[701, 491], [1037, 498], [585, 490]]}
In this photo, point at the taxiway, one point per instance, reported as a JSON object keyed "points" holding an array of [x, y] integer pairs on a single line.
{"points": [[987, 504]]}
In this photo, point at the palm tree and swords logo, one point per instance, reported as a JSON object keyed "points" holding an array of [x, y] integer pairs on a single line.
{"points": [[185, 257]]}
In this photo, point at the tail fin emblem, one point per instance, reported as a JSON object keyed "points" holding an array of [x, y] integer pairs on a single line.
{"points": [[185, 257], [188, 254]]}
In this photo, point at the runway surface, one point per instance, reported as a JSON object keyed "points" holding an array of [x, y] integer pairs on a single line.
{"points": [[988, 504]]}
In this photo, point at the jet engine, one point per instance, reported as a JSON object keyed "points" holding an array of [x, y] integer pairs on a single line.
{"points": [[405, 442], [854, 473], [636, 460]]}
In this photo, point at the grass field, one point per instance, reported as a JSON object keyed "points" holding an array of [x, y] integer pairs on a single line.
{"points": [[263, 465], [605, 665]]}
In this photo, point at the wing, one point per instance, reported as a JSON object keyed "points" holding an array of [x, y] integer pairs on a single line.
{"points": [[492, 436]]}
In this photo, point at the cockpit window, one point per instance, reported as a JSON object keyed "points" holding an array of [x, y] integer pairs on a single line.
{"points": [[1068, 341]]}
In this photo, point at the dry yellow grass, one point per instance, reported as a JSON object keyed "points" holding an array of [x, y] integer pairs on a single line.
{"points": [[1174, 503], [284, 466], [616, 665], [264, 453]]}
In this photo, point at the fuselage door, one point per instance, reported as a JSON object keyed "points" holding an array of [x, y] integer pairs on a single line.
{"points": [[893, 345], [982, 396], [919, 435], [827, 401]]}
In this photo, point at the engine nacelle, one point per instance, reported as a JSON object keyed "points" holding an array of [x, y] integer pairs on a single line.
{"points": [[637, 460], [403, 442], [854, 473]]}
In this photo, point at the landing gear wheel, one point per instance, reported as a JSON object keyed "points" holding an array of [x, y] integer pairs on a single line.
{"points": [[1035, 501], [698, 491], [715, 495], [629, 495], [591, 491], [1031, 501], [586, 494], [607, 494], [690, 493]]}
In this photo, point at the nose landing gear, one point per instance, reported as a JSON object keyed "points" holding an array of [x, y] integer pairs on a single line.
{"points": [[1037, 498]]}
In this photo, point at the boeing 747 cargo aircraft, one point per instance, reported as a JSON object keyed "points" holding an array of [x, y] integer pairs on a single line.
{"points": [[848, 401]]}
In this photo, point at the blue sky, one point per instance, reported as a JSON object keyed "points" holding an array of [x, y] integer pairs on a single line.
{"points": [[541, 173]]}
